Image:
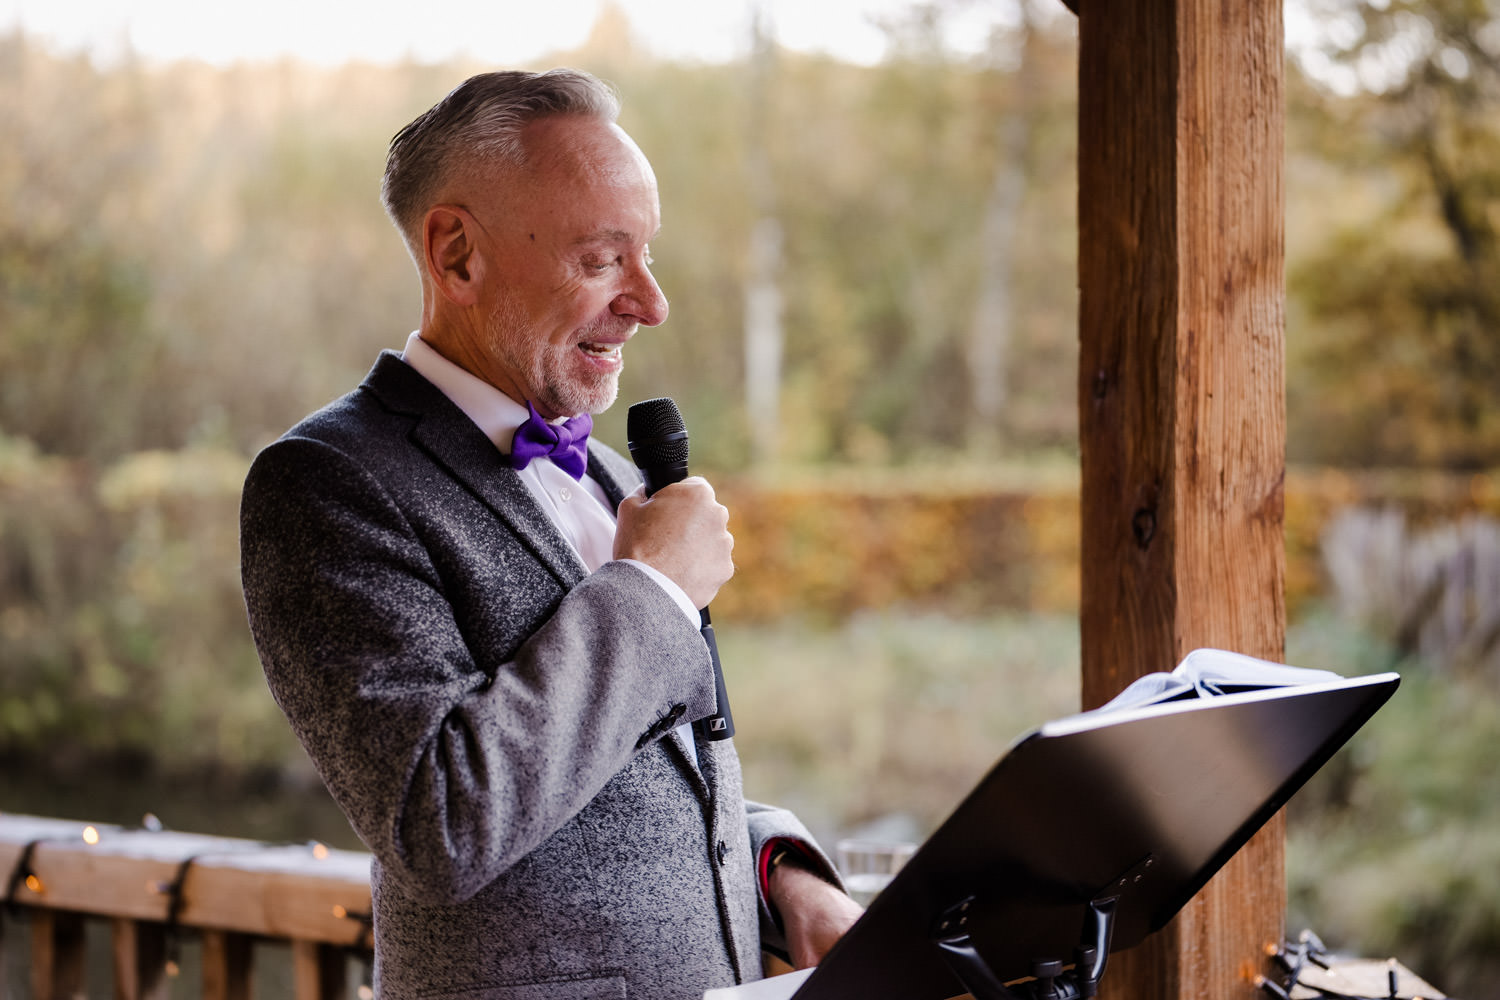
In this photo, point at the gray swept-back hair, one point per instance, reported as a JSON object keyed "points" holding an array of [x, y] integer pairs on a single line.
{"points": [[481, 120]]}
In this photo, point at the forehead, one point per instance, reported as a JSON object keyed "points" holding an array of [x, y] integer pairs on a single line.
{"points": [[583, 174], [582, 146]]}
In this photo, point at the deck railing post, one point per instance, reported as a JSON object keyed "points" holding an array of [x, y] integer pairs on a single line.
{"points": [[62, 873], [57, 955], [140, 960], [318, 970], [227, 967]]}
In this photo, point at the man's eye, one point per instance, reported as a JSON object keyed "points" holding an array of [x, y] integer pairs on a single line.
{"points": [[602, 264]]}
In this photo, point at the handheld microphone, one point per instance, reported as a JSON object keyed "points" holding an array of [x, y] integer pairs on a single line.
{"points": [[658, 441]]}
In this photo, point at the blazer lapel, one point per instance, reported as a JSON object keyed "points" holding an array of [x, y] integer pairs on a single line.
{"points": [[603, 473], [452, 440], [689, 760]]}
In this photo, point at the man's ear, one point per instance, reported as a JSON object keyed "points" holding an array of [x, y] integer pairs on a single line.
{"points": [[455, 265]]}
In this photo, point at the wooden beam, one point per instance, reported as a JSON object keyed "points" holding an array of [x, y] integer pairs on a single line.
{"points": [[299, 891], [1181, 400]]}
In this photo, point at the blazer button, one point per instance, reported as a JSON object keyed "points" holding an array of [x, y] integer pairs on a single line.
{"points": [[724, 850]]}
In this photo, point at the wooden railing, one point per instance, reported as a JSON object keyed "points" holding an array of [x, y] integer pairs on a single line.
{"points": [[154, 889]]}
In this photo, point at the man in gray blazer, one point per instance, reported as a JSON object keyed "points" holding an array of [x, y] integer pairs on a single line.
{"points": [[490, 649]]}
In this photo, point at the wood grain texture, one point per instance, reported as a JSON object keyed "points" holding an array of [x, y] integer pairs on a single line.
{"points": [[1181, 400]]}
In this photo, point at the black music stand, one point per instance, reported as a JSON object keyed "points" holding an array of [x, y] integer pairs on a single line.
{"points": [[1088, 835]]}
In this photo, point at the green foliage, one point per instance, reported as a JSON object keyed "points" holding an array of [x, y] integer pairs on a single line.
{"points": [[192, 255], [122, 627], [879, 175], [121, 624], [1393, 847], [200, 253], [73, 300], [1395, 330], [925, 703]]}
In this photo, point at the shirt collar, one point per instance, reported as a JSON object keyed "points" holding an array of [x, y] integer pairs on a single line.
{"points": [[495, 413]]}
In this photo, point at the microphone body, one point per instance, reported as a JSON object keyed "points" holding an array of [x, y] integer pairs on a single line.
{"points": [[658, 442]]}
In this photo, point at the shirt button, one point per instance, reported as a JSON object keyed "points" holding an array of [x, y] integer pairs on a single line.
{"points": [[565, 494], [723, 852]]}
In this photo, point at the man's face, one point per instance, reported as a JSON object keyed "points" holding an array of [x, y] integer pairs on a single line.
{"points": [[568, 268]]}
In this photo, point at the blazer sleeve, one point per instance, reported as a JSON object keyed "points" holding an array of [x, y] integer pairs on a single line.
{"points": [[450, 763], [771, 823]]}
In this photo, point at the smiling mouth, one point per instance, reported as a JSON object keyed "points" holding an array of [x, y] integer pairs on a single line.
{"points": [[600, 350]]}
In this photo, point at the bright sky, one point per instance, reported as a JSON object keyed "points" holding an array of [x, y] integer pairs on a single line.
{"points": [[496, 31]]}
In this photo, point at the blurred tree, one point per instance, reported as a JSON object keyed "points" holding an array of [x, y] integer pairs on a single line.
{"points": [[764, 338], [286, 278], [994, 317], [884, 176], [1399, 361], [191, 254], [880, 176], [73, 293], [200, 253]]}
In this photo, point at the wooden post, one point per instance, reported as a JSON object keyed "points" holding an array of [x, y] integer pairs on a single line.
{"points": [[227, 966], [318, 970], [140, 959], [58, 952], [1181, 400]]}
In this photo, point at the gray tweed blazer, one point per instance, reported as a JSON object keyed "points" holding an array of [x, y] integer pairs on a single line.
{"points": [[496, 722]]}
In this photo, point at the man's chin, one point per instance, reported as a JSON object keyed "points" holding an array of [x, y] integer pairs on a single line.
{"points": [[593, 398]]}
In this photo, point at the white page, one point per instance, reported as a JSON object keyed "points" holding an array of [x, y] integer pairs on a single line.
{"points": [[774, 988]]}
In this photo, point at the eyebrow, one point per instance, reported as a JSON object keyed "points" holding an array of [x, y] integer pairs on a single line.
{"points": [[611, 236]]}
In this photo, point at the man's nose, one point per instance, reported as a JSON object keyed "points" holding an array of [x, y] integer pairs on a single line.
{"points": [[643, 300]]}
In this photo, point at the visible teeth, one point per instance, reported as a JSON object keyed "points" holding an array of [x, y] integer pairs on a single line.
{"points": [[601, 350]]}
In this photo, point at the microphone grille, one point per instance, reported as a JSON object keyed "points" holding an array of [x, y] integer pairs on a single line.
{"points": [[656, 434]]}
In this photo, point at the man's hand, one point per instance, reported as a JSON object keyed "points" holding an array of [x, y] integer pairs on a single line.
{"points": [[682, 531], [814, 913]]}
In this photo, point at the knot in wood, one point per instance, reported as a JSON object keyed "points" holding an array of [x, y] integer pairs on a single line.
{"points": [[1143, 526]]}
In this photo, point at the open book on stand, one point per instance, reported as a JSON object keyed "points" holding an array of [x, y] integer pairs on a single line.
{"points": [[1091, 832]]}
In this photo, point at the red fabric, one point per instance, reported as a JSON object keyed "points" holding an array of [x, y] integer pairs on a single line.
{"points": [[763, 868]]}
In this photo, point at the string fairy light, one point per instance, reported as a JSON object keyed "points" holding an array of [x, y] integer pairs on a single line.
{"points": [[22, 875]]}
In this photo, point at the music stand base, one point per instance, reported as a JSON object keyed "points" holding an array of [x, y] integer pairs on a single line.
{"points": [[955, 943]]}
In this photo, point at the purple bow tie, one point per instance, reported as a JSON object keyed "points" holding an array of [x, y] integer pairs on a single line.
{"points": [[567, 443]]}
